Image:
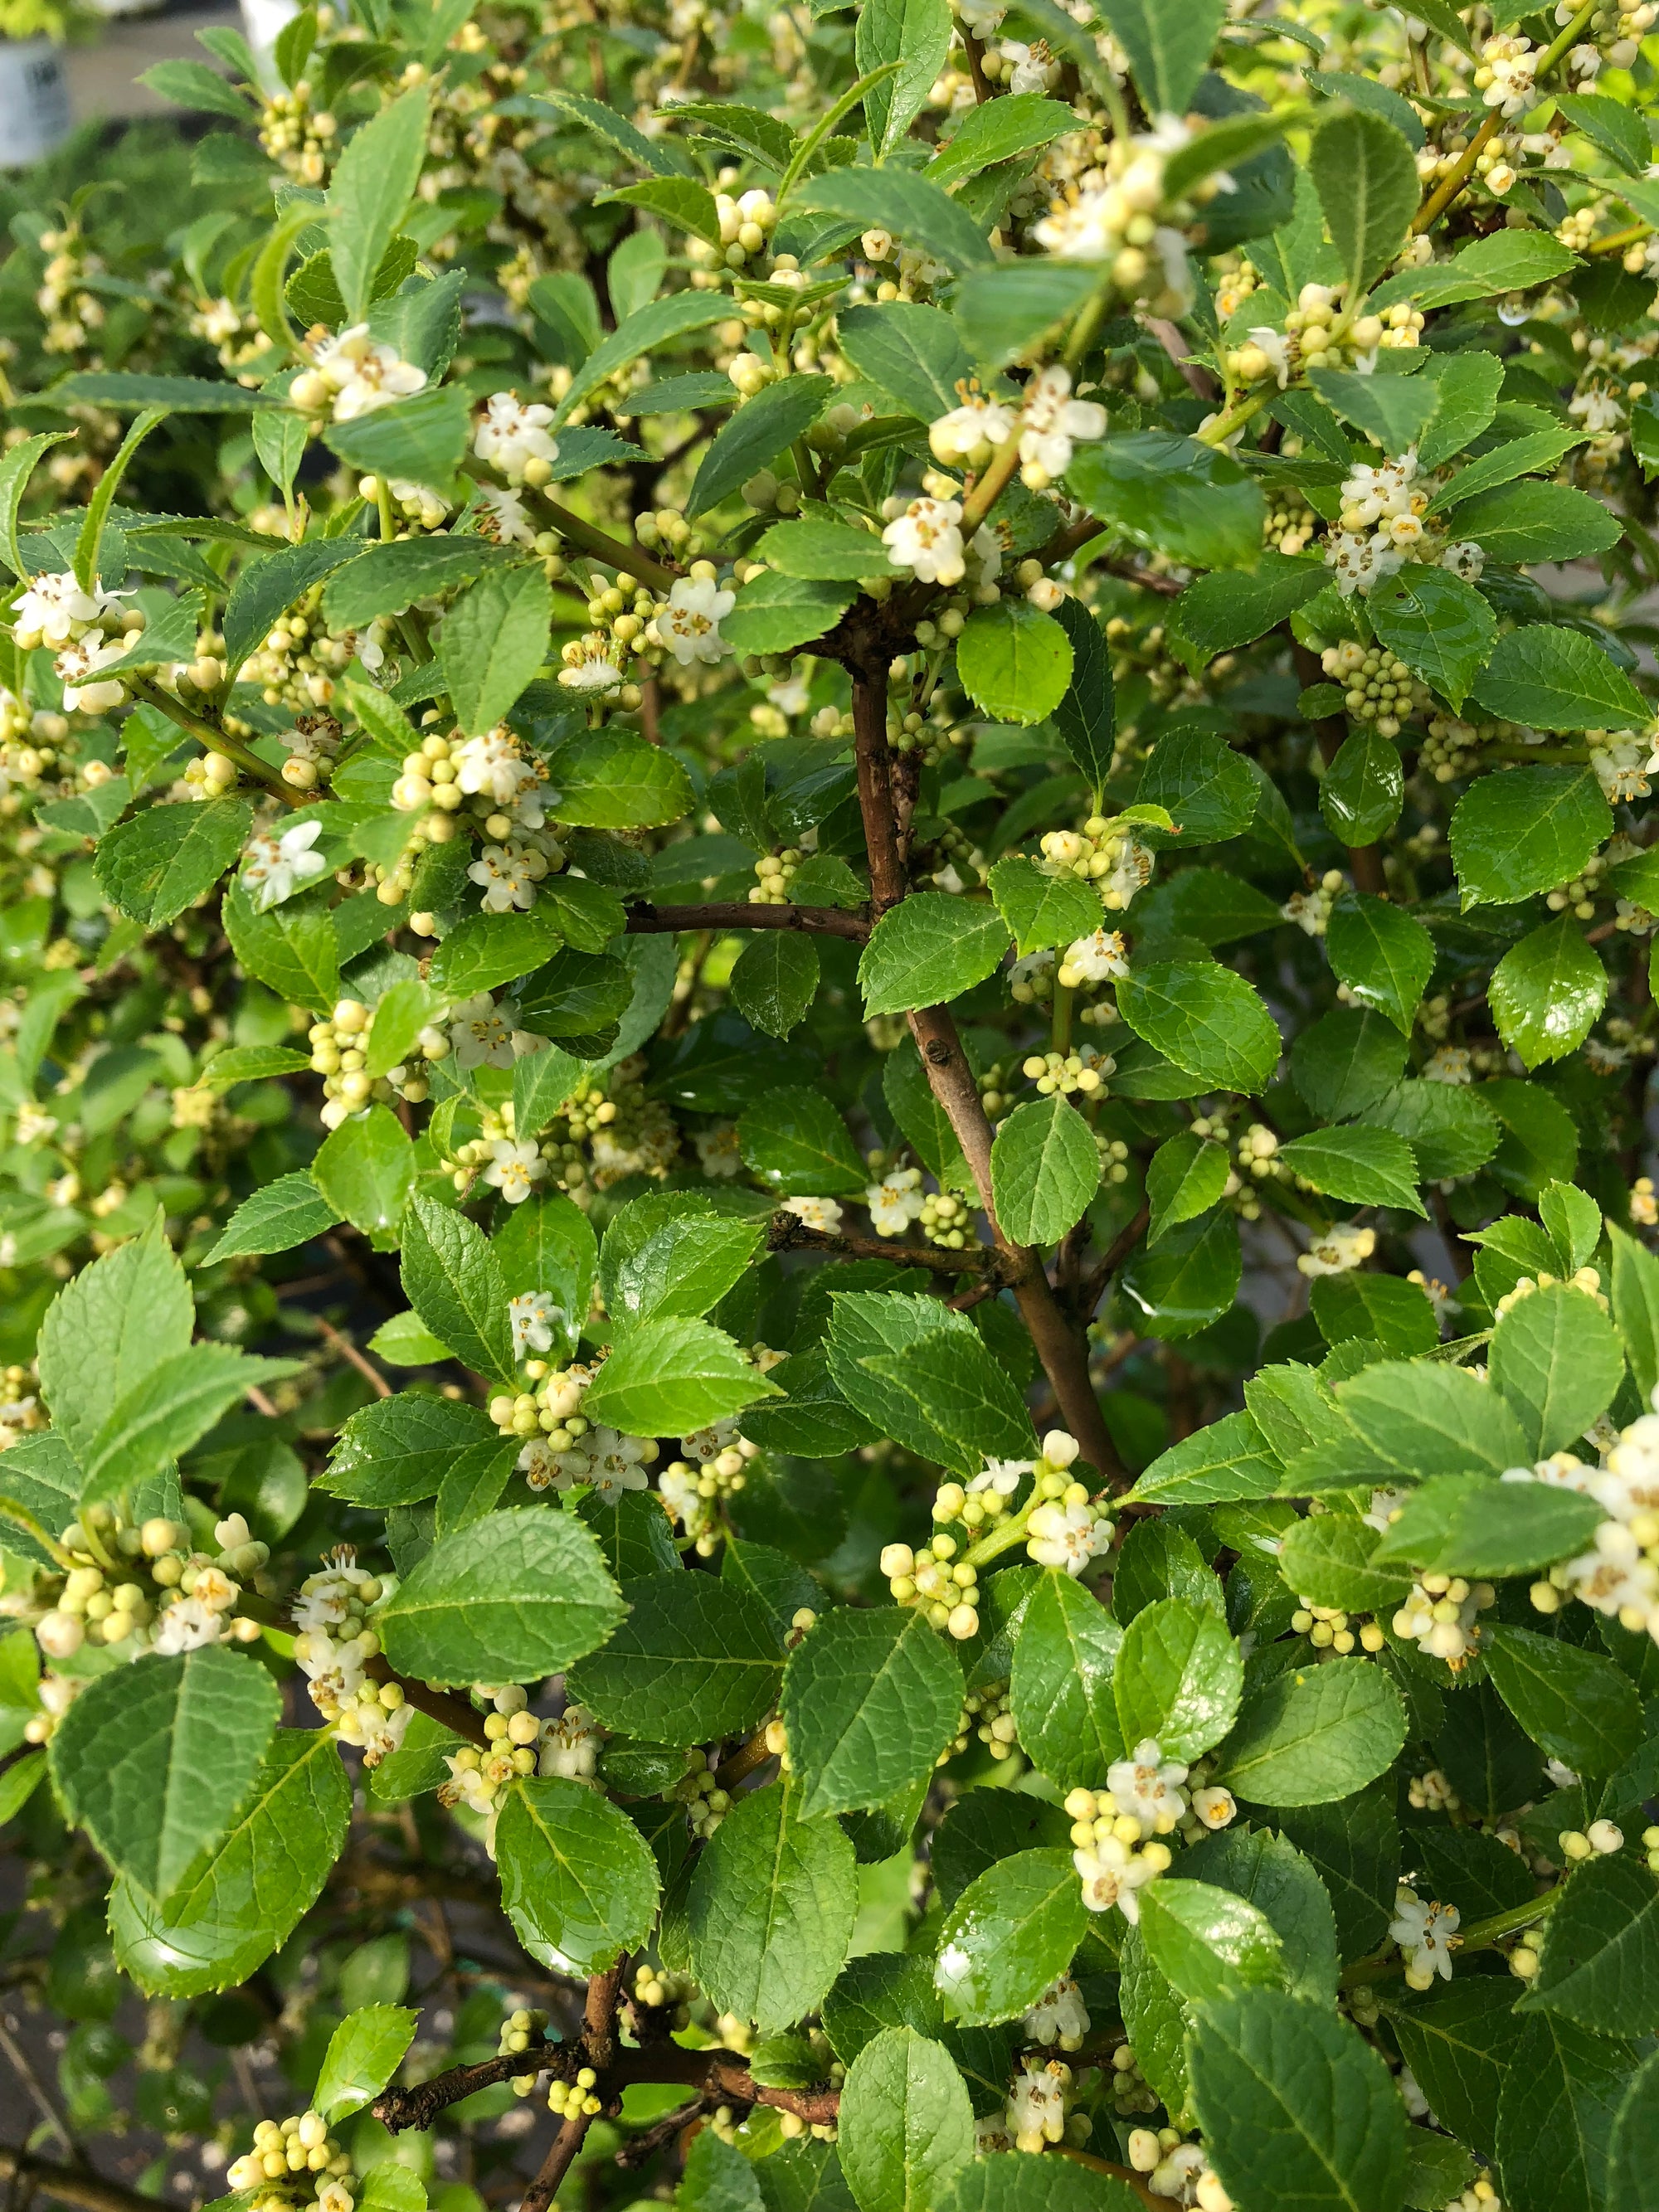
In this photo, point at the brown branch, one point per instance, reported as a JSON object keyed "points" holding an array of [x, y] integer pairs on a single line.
{"points": [[573, 2133], [646, 919], [87, 2192], [787, 1232], [1062, 1349], [641, 2149], [751, 1755], [1094, 1284], [440, 1705], [1199, 379], [350, 1353]]}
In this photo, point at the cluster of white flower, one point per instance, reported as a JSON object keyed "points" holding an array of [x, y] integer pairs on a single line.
{"points": [[1177, 2170], [88, 629], [520, 1743], [275, 866], [1311, 910], [333, 1646], [1426, 1934], [139, 1588], [1619, 1574], [715, 1467], [1114, 1830], [1111, 214], [605, 1459], [1105, 853], [1442, 1616], [351, 375], [515, 440], [292, 2162], [1507, 76], [1034, 2115], [1102, 958], [896, 1201], [689, 624], [925, 536], [1624, 761], [1060, 2015]]}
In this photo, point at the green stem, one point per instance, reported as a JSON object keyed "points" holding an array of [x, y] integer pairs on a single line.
{"points": [[820, 131], [1449, 187], [631, 560], [1065, 999], [1231, 418], [210, 734]]}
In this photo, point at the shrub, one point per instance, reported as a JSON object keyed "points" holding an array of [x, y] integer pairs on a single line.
{"points": [[828, 913]]}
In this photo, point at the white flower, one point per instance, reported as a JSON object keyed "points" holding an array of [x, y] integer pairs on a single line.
{"points": [[512, 433], [363, 375], [1033, 69], [1001, 1477], [275, 867], [569, 1746], [54, 609], [1214, 1806], [983, 17], [1147, 1787], [493, 766], [1131, 872], [1359, 562], [1449, 1063], [78, 664], [481, 1036], [507, 874], [1466, 559], [1049, 423], [1423, 1933], [1067, 1534], [1111, 1873], [1101, 958], [187, 1626], [1059, 2015], [689, 626], [1599, 411], [1277, 347], [1339, 1249], [514, 1169], [1036, 2103], [718, 1151], [978, 423], [896, 1202], [608, 1461], [1088, 227], [532, 1317], [502, 518], [823, 1214], [588, 665], [926, 539]]}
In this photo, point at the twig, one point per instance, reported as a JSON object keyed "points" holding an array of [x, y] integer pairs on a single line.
{"points": [[749, 1755], [440, 1705], [1197, 378], [349, 1352], [573, 2133], [31, 2080], [787, 1232], [646, 920], [87, 2193], [1093, 1285]]}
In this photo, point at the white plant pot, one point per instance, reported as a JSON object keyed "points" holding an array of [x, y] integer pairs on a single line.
{"points": [[34, 103], [262, 21]]}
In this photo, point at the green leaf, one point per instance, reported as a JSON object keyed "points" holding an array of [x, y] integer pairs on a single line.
{"points": [[821, 547], [991, 133], [578, 1883], [364, 2052], [194, 84], [1172, 495], [656, 1262], [152, 1762], [899, 201], [451, 1278], [1040, 909], [1482, 1527], [906, 2125], [930, 948], [870, 1701], [1526, 831], [678, 200], [770, 1911], [1190, 1281], [166, 1410], [1328, 1559], [796, 1141], [611, 779], [1167, 51], [1576, 1703], [1062, 1686], [1600, 1962], [1636, 1307], [1297, 2107], [1538, 451], [1362, 1167], [1281, 1882], [947, 1395], [108, 1328], [1361, 790], [387, 579], [915, 33], [1178, 1678], [1467, 386], [1086, 718], [1206, 1019], [372, 187], [493, 642], [365, 1170], [18, 1783], [1384, 957], [1006, 310], [1562, 2097], [673, 1375], [1526, 522], [1633, 2151], [510, 1598], [1014, 661], [1008, 1937], [645, 332], [424, 438], [157, 863], [247, 1899], [1438, 625], [1185, 1177], [1620, 131], [696, 1659], [1419, 1421], [1547, 992], [1045, 1169], [761, 428], [1208, 1941], [294, 948], [397, 1450], [778, 613], [1010, 2181], [484, 951], [1462, 2048], [1202, 783], [1390, 410], [1366, 179], [16, 470], [1396, 1314], [1314, 1734], [269, 586], [280, 1215], [1558, 1361], [1558, 679], [914, 354], [1217, 614]]}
